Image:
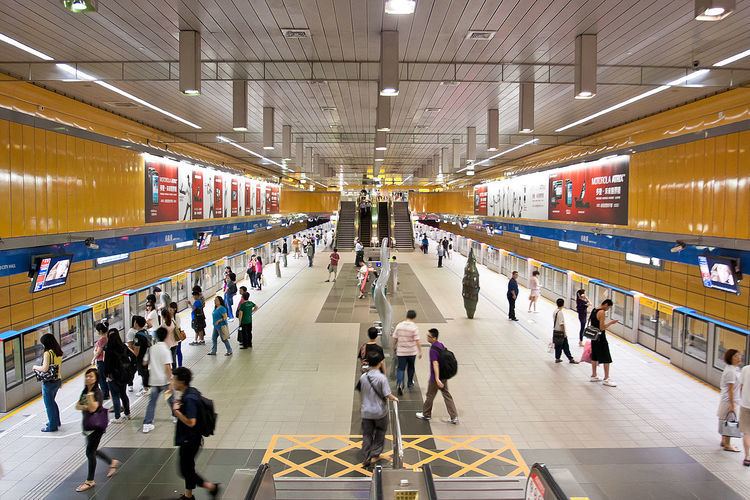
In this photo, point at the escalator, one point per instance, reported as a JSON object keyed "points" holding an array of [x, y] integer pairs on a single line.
{"points": [[384, 221], [365, 225]]}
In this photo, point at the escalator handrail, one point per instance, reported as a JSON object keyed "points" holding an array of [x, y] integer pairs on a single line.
{"points": [[398, 443], [549, 479], [257, 481], [429, 482], [377, 483]]}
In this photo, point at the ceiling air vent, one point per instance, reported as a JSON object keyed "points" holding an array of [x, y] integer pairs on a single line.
{"points": [[122, 104], [481, 36], [295, 33], [328, 109], [432, 110]]}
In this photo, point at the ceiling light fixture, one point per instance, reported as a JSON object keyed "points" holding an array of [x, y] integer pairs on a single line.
{"points": [[493, 129], [713, 10], [239, 105], [526, 107], [268, 128], [471, 144], [79, 6], [661, 88], [226, 140], [380, 141], [731, 59], [400, 7], [527, 143], [389, 78], [585, 67], [383, 114], [286, 143], [190, 62], [24, 47]]}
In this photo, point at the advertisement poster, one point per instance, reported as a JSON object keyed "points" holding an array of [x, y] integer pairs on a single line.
{"points": [[272, 205], [162, 202], [218, 211], [208, 194], [249, 202], [197, 189], [480, 200], [523, 197], [235, 196], [185, 192], [592, 192], [259, 199]]}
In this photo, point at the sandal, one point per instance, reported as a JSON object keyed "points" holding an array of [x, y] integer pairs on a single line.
{"points": [[746, 462], [115, 465], [85, 486]]}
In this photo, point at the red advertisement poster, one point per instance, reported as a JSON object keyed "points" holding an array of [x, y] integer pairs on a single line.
{"points": [[235, 197], [218, 196], [591, 192], [272, 203], [248, 199], [480, 200], [258, 199], [268, 199], [197, 203], [162, 202]]}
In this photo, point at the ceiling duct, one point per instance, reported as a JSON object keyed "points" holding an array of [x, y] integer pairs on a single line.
{"points": [[190, 62], [493, 129], [239, 105], [294, 33], [389, 77], [526, 108], [286, 142], [268, 128], [585, 67]]}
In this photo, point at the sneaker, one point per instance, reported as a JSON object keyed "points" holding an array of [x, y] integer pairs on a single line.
{"points": [[130, 388], [142, 392], [609, 383], [228, 354], [400, 391], [174, 420], [595, 379], [454, 421], [211, 354], [421, 416], [573, 361], [148, 428], [119, 420], [558, 360]]}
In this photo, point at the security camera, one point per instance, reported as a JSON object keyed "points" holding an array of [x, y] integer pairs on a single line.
{"points": [[696, 64], [679, 247]]}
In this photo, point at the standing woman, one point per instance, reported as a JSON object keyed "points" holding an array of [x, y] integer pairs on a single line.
{"points": [[152, 319], [179, 334], [94, 426], [277, 257], [116, 373], [49, 373], [171, 342], [198, 318], [221, 327], [259, 272], [600, 347], [582, 306], [99, 347], [729, 400], [535, 290]]}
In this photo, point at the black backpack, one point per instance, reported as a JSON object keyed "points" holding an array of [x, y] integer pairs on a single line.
{"points": [[447, 363], [206, 416]]}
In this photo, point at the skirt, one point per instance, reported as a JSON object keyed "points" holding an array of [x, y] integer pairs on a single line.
{"points": [[535, 293], [744, 420], [600, 350]]}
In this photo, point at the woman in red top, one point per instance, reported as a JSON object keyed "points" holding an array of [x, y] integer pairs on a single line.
{"points": [[259, 272]]}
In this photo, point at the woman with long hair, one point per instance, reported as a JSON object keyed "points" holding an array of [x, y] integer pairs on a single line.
{"points": [[259, 272], [118, 373], [98, 360], [49, 373], [168, 322], [221, 327], [94, 425], [177, 337]]}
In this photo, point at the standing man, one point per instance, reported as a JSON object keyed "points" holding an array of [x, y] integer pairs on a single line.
{"points": [[245, 315], [310, 251], [160, 373], [559, 334], [187, 435], [229, 292], [425, 243], [374, 409], [359, 252], [333, 265], [285, 251], [394, 276], [406, 340], [445, 247], [436, 384], [440, 253], [512, 295]]}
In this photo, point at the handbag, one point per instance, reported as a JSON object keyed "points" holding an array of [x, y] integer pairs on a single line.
{"points": [[51, 374], [179, 333], [586, 355], [224, 332], [558, 336], [729, 426], [96, 421]]}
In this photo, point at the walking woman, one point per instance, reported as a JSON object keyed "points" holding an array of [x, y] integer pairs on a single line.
{"points": [[729, 400], [117, 373], [94, 427], [179, 334], [221, 327], [582, 307], [98, 361], [600, 347], [535, 290], [49, 373], [259, 272]]}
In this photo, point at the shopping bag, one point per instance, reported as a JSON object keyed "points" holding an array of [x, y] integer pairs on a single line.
{"points": [[586, 356], [729, 426]]}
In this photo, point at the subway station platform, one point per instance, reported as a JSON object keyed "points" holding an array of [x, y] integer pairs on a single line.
{"points": [[290, 402]]}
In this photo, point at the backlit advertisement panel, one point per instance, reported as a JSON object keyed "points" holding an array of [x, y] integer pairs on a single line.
{"points": [[197, 189], [259, 199], [249, 202], [162, 202], [480, 200], [234, 197], [522, 197], [272, 206], [185, 191], [218, 195]]}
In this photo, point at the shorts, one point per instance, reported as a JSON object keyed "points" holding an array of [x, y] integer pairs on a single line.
{"points": [[535, 293], [744, 420]]}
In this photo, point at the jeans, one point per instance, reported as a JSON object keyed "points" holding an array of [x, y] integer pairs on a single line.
{"points": [[92, 451], [178, 354], [432, 390], [259, 280], [153, 398], [251, 277], [373, 436], [564, 347], [405, 363], [229, 302], [119, 394], [187, 453], [214, 337], [49, 391], [309, 260], [583, 318], [102, 380], [286, 264], [440, 261], [246, 335]]}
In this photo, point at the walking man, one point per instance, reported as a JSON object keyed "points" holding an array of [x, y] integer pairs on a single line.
{"points": [[559, 335], [160, 373], [310, 251], [512, 295], [333, 265], [436, 384], [406, 340], [375, 392]]}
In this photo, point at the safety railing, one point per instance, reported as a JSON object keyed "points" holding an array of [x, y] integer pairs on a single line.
{"points": [[376, 486], [398, 443], [255, 487], [542, 484], [429, 482]]}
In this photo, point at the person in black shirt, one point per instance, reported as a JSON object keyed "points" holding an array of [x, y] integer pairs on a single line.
{"points": [[582, 306], [141, 344], [187, 435], [512, 295], [370, 348], [285, 251]]}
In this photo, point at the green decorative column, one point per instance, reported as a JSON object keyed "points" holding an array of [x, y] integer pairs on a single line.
{"points": [[471, 285]]}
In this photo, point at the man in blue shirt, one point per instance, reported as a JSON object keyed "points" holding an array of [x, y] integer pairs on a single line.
{"points": [[512, 295]]}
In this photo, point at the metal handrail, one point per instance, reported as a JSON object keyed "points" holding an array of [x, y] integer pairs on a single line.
{"points": [[257, 481], [398, 443], [429, 482], [541, 471], [376, 488]]}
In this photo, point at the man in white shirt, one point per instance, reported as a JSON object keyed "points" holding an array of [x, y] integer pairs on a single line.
{"points": [[359, 252], [160, 375], [406, 339], [559, 336]]}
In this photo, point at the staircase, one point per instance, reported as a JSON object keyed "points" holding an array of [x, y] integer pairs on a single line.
{"points": [[365, 226], [345, 231], [403, 231], [384, 221]]}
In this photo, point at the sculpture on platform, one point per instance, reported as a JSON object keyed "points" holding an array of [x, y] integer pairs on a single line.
{"points": [[471, 285], [382, 304]]}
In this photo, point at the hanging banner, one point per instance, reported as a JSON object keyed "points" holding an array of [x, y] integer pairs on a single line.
{"points": [[197, 189], [218, 195], [162, 202], [591, 192], [480, 200], [235, 197]]}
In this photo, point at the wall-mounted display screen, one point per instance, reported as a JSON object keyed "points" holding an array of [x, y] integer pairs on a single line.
{"points": [[721, 273], [50, 272], [204, 239]]}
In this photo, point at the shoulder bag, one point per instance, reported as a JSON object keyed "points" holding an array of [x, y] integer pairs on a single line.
{"points": [[591, 332], [224, 332], [96, 421], [558, 336], [179, 333], [52, 372]]}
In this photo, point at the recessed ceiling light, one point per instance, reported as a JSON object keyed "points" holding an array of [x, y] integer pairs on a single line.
{"points": [[449, 83], [400, 7], [481, 36], [24, 47], [713, 10]]}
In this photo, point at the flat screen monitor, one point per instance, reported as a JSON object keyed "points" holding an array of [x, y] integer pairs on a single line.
{"points": [[204, 239], [721, 273], [50, 272]]}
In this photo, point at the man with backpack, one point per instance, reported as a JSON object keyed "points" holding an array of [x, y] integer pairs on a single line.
{"points": [[443, 366], [195, 419]]}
